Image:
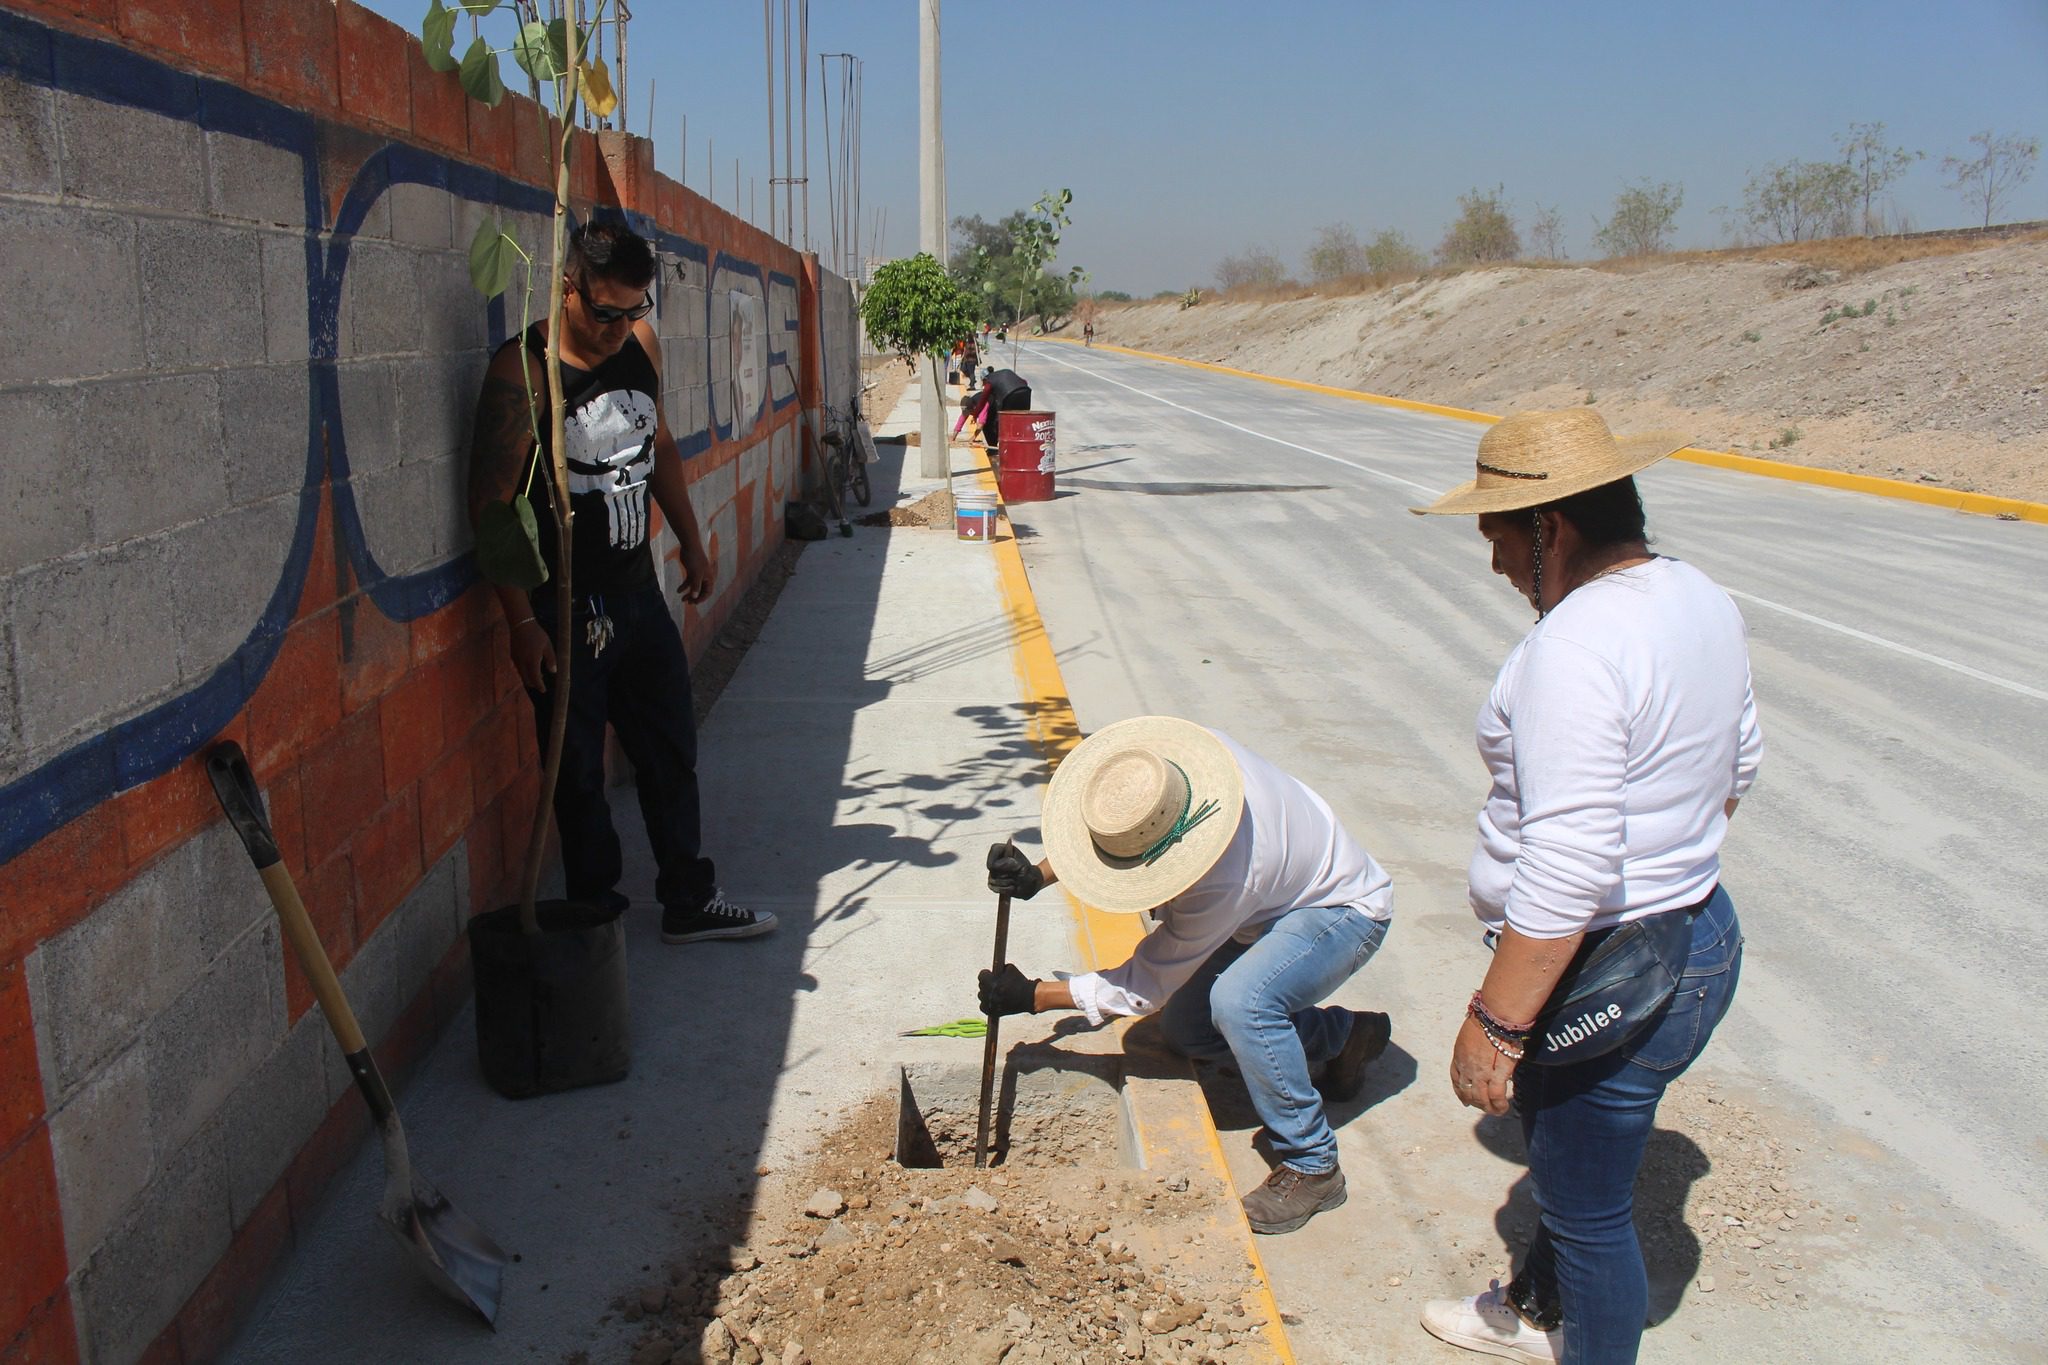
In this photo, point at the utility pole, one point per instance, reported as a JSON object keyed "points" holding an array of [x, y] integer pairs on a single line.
{"points": [[934, 459]]}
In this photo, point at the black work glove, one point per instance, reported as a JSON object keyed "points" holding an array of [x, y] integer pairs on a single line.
{"points": [[1007, 992], [1010, 873]]}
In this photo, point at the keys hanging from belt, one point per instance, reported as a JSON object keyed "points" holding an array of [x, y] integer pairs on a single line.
{"points": [[598, 633]]}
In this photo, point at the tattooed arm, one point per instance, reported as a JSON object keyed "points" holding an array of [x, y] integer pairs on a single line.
{"points": [[500, 454]]}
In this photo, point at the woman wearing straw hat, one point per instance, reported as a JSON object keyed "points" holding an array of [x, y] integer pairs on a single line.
{"points": [[1620, 734], [1264, 907]]}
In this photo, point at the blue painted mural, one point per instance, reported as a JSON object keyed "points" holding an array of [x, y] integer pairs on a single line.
{"points": [[72, 782]]}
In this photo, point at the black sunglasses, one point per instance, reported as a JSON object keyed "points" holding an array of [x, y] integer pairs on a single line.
{"points": [[603, 314]]}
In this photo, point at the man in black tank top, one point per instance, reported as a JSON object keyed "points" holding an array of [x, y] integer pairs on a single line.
{"points": [[629, 669]]}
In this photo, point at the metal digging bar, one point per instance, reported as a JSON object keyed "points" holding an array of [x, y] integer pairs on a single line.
{"points": [[450, 1249]]}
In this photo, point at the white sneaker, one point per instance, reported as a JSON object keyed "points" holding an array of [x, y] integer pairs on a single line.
{"points": [[1486, 1323]]}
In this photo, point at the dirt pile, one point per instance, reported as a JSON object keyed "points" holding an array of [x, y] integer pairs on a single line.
{"points": [[933, 509], [1926, 369], [862, 1261]]}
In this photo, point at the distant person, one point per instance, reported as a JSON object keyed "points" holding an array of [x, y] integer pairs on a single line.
{"points": [[1265, 906], [629, 668], [1088, 332], [1619, 736]]}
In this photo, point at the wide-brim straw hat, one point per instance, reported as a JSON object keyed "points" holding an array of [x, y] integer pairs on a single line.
{"points": [[1537, 457], [1121, 792]]}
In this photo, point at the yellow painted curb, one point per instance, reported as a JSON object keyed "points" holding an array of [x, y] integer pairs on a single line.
{"points": [[1175, 1126], [1979, 504]]}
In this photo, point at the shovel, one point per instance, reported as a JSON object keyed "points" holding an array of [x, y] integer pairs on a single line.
{"points": [[457, 1255], [988, 1048]]}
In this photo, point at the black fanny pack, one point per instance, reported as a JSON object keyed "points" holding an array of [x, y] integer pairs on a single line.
{"points": [[1615, 984]]}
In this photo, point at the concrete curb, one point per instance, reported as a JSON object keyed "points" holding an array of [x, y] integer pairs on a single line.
{"points": [[1978, 504], [1174, 1126]]}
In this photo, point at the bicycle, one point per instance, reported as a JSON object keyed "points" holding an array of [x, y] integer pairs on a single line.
{"points": [[849, 450]]}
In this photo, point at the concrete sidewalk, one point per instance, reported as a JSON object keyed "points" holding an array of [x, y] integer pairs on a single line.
{"points": [[873, 743]]}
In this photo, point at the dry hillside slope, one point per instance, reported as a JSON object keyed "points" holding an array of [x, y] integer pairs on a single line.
{"points": [[1933, 369]]}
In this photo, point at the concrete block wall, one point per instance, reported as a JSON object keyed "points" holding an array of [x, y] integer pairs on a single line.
{"points": [[233, 240]]}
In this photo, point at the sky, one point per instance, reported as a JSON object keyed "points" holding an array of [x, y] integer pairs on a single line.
{"points": [[1190, 130]]}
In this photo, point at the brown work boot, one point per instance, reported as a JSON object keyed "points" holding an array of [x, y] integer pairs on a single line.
{"points": [[1290, 1198], [1345, 1075]]}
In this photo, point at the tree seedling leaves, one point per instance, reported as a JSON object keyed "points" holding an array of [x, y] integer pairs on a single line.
{"points": [[480, 74], [508, 544], [491, 256], [542, 50], [597, 89], [477, 7], [437, 37]]}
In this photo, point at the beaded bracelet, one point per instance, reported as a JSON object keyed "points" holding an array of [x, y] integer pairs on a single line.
{"points": [[1493, 1023], [1513, 1054]]}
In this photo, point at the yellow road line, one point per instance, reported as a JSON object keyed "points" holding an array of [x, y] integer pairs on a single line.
{"points": [[1980, 504], [1187, 1136]]}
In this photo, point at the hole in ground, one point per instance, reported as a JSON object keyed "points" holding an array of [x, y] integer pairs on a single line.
{"points": [[1052, 1108]]}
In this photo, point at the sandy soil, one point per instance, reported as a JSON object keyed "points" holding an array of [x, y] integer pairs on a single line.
{"points": [[1930, 369]]}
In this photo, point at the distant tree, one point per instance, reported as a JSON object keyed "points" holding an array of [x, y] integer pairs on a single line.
{"points": [[1546, 234], [1641, 222], [1255, 265], [1988, 179], [1800, 201], [1875, 166], [1169, 293], [1334, 254], [1002, 265], [1484, 230], [1117, 296], [1391, 253]]}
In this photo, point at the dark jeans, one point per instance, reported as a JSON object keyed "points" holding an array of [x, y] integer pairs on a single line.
{"points": [[1586, 1127], [640, 685]]}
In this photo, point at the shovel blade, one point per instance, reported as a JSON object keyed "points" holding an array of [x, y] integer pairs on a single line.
{"points": [[450, 1249]]}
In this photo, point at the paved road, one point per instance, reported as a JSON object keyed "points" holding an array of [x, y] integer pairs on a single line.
{"points": [[1240, 552]]}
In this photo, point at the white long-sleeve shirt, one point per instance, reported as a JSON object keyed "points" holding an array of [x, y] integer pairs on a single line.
{"points": [[1615, 734], [1289, 853]]}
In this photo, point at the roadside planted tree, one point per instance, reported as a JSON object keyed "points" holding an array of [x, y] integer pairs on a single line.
{"points": [[1999, 166], [914, 308], [1334, 254], [1641, 222], [1483, 231], [1874, 165]]}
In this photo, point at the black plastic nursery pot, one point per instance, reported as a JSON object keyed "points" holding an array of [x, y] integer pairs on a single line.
{"points": [[550, 1006]]}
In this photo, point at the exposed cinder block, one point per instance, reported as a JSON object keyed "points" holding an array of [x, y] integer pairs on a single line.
{"points": [[45, 502], [275, 1109], [223, 571], [423, 922], [721, 522], [105, 1155], [399, 516], [287, 310], [96, 983], [370, 980], [466, 216], [436, 404], [28, 138], [382, 309], [451, 312], [753, 463], [420, 216], [714, 490], [255, 181], [264, 415], [68, 610], [201, 301], [118, 154], [452, 531], [146, 1268], [369, 415], [223, 898], [210, 1038], [13, 752], [156, 452], [61, 261]]}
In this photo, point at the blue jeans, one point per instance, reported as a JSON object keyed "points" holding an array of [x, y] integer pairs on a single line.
{"points": [[1586, 1127], [640, 686], [1256, 1003]]}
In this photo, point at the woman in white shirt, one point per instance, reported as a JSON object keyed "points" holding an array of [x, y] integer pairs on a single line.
{"points": [[1619, 736]]}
